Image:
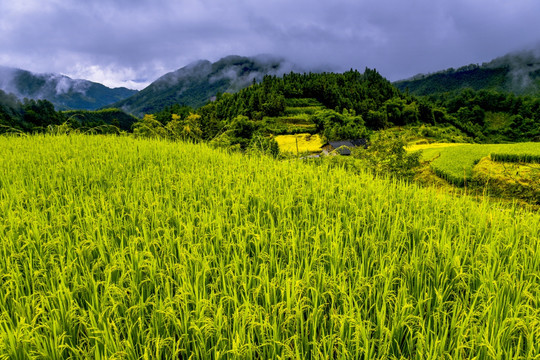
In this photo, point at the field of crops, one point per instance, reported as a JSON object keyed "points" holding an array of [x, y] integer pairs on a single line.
{"points": [[299, 144], [509, 180], [296, 119], [114, 247], [455, 163]]}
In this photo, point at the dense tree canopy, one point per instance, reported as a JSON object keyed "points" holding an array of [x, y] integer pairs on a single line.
{"points": [[492, 116], [27, 116], [348, 105]]}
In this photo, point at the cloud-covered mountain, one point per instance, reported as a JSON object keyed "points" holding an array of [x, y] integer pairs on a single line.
{"points": [[64, 92], [517, 72], [198, 82]]}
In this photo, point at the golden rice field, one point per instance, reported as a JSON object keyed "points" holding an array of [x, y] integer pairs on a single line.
{"points": [[122, 248], [300, 143]]}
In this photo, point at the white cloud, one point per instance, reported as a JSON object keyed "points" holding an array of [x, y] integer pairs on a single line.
{"points": [[110, 76], [121, 42]]}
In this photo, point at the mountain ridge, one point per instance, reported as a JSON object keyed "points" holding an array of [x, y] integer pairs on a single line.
{"points": [[61, 90], [517, 73], [198, 82]]}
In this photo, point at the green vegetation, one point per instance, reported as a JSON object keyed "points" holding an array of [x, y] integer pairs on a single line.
{"points": [[387, 155], [84, 119], [32, 116], [513, 73], [115, 247], [27, 116], [195, 84], [509, 180], [297, 117], [472, 76], [63, 92], [333, 106], [525, 154], [455, 163], [491, 117], [336, 106], [329, 104]]}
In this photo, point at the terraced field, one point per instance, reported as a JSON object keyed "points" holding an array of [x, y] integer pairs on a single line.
{"points": [[297, 118], [455, 163], [299, 144]]}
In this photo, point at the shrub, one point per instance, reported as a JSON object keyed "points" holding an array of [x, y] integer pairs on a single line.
{"points": [[386, 154]]}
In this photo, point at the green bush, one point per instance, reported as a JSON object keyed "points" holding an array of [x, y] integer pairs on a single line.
{"points": [[386, 154]]}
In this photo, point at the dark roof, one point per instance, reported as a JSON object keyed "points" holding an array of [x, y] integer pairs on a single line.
{"points": [[344, 145], [359, 142]]}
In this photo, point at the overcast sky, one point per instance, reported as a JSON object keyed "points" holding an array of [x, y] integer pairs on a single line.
{"points": [[133, 42]]}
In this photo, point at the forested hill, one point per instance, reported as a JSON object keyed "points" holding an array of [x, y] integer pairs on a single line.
{"points": [[194, 85], [518, 73], [32, 116], [62, 91], [352, 90], [337, 106], [351, 105]]}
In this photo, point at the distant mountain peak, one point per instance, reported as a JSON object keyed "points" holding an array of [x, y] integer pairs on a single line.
{"points": [[517, 72], [63, 91], [196, 83]]}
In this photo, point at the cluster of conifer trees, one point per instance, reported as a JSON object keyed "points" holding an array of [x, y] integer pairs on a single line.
{"points": [[28, 115], [353, 104]]}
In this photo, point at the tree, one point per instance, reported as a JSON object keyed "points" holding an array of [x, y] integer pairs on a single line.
{"points": [[386, 154], [376, 120], [41, 113], [394, 111], [261, 144], [191, 129], [238, 134], [148, 126]]}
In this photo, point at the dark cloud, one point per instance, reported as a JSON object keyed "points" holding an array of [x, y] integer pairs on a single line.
{"points": [[132, 42]]}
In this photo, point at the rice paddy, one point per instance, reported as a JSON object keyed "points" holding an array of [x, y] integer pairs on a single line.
{"points": [[455, 163], [115, 247], [299, 144]]}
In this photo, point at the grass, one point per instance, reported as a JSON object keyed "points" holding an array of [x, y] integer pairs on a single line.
{"points": [[297, 118], [300, 119], [303, 110], [299, 144], [114, 247], [455, 163], [510, 180]]}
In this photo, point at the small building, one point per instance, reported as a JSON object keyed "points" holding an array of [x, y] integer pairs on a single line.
{"points": [[343, 147]]}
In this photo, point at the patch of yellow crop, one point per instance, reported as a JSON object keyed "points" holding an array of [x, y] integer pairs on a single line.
{"points": [[300, 143], [511, 172], [516, 180], [417, 147]]}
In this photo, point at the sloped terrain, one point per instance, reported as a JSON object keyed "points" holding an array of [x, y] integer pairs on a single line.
{"points": [[65, 93], [196, 84], [187, 252], [518, 73]]}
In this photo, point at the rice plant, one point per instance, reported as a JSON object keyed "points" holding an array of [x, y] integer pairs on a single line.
{"points": [[114, 247], [455, 163]]}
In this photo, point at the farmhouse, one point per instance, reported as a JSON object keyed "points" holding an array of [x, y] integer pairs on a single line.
{"points": [[343, 147]]}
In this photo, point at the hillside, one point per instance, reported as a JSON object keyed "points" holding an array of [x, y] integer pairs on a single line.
{"points": [[85, 119], [252, 257], [518, 73], [197, 83], [65, 93]]}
